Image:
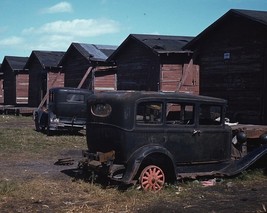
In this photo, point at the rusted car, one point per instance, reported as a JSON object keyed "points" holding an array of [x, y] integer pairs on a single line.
{"points": [[155, 137], [66, 110]]}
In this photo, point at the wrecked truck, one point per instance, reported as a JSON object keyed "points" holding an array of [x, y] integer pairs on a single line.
{"points": [[65, 110], [155, 137]]}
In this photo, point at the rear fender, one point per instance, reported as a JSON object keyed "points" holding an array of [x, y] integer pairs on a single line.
{"points": [[135, 161]]}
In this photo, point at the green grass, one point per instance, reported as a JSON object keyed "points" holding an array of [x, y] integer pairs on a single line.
{"points": [[18, 139]]}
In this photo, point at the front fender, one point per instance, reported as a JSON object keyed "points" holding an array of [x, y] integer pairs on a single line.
{"points": [[240, 165], [136, 159]]}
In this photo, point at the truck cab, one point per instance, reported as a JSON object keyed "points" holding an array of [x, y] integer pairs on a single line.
{"points": [[156, 137], [65, 110]]}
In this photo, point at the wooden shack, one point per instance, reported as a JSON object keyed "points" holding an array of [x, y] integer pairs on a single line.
{"points": [[232, 55], [85, 66], [156, 63], [44, 73], [1, 87], [15, 80]]}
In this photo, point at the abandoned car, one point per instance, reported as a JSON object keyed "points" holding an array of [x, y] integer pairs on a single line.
{"points": [[155, 137], [66, 110]]}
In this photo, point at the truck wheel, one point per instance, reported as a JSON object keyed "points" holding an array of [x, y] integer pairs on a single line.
{"points": [[152, 178], [37, 125]]}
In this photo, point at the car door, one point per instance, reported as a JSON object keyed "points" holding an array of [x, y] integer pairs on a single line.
{"points": [[180, 126], [211, 134]]}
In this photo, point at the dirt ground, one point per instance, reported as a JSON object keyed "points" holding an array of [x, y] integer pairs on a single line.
{"points": [[59, 192]]}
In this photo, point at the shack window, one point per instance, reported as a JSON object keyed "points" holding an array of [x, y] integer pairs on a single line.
{"points": [[75, 98], [149, 113], [179, 113], [210, 115], [101, 110]]}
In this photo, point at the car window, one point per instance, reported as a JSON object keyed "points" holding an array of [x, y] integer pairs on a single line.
{"points": [[179, 113], [149, 113], [210, 114]]}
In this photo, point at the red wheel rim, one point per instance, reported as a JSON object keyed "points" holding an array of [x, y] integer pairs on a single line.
{"points": [[152, 178]]}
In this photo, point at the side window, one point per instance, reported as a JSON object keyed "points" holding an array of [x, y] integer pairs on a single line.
{"points": [[77, 98], [179, 113], [149, 113], [210, 114]]}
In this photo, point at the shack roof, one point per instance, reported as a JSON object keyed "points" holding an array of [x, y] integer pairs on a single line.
{"points": [[15, 62], [47, 59], [1, 72], [159, 44], [256, 16], [92, 52]]}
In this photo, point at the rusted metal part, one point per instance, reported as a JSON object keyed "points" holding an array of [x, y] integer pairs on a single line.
{"points": [[65, 161], [252, 131], [104, 157]]}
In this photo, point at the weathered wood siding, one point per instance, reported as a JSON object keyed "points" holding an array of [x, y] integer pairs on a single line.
{"points": [[75, 66], [9, 87], [1, 92], [55, 79], [172, 74], [22, 86], [40, 81], [233, 66], [104, 79], [138, 69]]}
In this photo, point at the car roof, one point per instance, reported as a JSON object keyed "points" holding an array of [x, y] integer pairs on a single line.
{"points": [[133, 96]]}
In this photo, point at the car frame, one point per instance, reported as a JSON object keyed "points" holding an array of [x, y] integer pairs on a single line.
{"points": [[157, 137]]}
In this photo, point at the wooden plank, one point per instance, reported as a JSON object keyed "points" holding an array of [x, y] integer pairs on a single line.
{"points": [[252, 131], [85, 77], [47, 93]]}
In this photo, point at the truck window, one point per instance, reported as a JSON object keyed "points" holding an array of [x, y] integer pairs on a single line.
{"points": [[179, 113], [77, 98], [210, 115], [149, 113]]}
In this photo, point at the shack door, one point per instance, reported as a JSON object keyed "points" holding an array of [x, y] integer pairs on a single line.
{"points": [[22, 86]]}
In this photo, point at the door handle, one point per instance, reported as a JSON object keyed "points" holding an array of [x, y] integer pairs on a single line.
{"points": [[196, 132]]}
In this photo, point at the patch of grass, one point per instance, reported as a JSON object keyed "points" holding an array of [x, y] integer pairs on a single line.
{"points": [[15, 140], [7, 187]]}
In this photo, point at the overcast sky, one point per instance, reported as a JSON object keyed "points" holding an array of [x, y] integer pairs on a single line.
{"points": [[27, 25]]}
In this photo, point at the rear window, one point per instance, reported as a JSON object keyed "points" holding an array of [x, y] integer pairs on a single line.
{"points": [[77, 98]]}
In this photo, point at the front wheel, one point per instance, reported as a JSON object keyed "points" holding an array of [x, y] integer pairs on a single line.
{"points": [[152, 178]]}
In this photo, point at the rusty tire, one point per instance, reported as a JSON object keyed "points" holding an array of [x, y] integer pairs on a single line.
{"points": [[152, 178]]}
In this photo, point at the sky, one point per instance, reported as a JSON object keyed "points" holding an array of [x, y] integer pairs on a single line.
{"points": [[27, 25]]}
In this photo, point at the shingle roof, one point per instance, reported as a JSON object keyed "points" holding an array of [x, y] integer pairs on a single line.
{"points": [[257, 16], [157, 43], [48, 59], [16, 62], [163, 43], [95, 52]]}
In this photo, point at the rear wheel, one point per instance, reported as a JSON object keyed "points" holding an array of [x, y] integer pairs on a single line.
{"points": [[152, 178]]}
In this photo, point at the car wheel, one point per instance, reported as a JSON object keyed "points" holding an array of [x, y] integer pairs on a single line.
{"points": [[152, 178]]}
